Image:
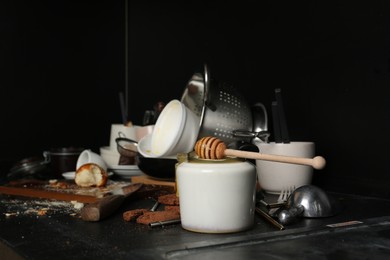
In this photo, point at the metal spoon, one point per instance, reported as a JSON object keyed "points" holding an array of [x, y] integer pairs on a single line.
{"points": [[309, 201]]}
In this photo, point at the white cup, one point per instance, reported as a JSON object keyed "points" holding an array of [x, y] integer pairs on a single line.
{"points": [[176, 130], [87, 156], [275, 176], [121, 130]]}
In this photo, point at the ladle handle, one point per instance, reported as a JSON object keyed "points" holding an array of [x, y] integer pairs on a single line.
{"points": [[317, 162]]}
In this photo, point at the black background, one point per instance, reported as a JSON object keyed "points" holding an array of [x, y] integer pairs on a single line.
{"points": [[62, 65]]}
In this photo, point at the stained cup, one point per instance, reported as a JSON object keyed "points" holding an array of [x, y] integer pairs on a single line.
{"points": [[275, 176]]}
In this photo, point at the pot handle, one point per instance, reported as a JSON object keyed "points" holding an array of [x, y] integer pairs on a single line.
{"points": [[46, 155]]}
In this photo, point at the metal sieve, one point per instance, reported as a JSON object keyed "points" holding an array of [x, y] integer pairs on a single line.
{"points": [[220, 106]]}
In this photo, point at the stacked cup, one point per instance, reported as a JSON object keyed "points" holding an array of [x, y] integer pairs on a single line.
{"points": [[276, 176], [110, 153]]}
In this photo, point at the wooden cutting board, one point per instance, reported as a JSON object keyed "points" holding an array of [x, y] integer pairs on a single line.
{"points": [[149, 180], [60, 190]]}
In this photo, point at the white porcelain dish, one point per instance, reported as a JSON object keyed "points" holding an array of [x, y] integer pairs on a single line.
{"points": [[144, 148], [125, 171], [71, 175]]}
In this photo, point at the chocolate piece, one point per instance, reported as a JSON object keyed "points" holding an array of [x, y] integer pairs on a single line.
{"points": [[172, 208], [157, 216], [131, 215], [169, 199]]}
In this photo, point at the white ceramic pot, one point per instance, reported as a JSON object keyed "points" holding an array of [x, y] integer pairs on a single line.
{"points": [[218, 196]]}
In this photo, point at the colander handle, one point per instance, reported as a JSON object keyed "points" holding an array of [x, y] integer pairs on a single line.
{"points": [[248, 134], [206, 78]]}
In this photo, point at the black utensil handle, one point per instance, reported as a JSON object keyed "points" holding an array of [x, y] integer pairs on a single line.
{"points": [[275, 121], [282, 117]]}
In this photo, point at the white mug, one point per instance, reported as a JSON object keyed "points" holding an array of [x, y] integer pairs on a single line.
{"points": [[87, 156], [121, 130], [275, 176]]}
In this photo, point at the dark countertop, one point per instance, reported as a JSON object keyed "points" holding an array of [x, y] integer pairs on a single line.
{"points": [[60, 235]]}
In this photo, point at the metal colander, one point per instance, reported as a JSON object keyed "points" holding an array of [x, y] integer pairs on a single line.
{"points": [[220, 106]]}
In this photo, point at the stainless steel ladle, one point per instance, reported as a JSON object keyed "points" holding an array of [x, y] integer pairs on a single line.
{"points": [[309, 201]]}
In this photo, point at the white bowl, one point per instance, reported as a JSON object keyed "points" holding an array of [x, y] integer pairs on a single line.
{"points": [[175, 131], [276, 176], [144, 148]]}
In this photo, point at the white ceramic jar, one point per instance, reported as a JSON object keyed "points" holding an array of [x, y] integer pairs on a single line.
{"points": [[216, 196]]}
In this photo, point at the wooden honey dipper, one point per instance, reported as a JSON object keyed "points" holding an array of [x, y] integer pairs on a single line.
{"points": [[214, 148]]}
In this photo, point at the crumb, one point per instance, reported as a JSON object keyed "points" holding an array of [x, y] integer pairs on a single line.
{"points": [[10, 214], [42, 212], [53, 181], [77, 205]]}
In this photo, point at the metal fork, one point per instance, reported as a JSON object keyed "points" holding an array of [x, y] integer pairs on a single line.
{"points": [[282, 199], [285, 193]]}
